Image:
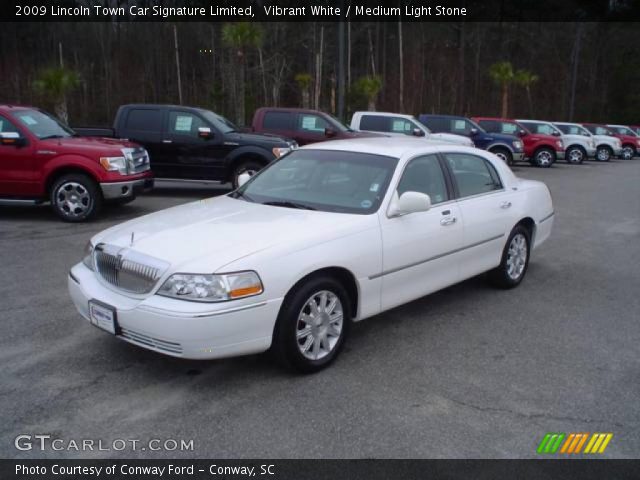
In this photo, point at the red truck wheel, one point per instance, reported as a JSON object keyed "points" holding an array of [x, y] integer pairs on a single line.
{"points": [[75, 197]]}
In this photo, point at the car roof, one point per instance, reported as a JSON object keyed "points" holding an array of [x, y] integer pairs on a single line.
{"points": [[395, 147], [441, 116], [384, 114], [6, 106], [284, 109], [499, 119], [566, 123]]}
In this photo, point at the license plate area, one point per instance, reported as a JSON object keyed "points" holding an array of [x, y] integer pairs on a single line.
{"points": [[103, 316]]}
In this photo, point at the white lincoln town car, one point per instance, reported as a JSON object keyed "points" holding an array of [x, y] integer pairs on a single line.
{"points": [[331, 233]]}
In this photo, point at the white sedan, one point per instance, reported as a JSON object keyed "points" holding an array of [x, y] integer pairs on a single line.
{"points": [[329, 234]]}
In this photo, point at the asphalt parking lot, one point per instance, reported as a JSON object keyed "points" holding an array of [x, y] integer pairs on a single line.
{"points": [[469, 372]]}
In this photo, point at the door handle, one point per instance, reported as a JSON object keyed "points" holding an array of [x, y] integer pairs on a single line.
{"points": [[448, 221], [505, 204], [167, 141]]}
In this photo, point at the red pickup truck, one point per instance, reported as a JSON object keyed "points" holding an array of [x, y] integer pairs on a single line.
{"points": [[302, 125], [541, 150], [43, 160]]}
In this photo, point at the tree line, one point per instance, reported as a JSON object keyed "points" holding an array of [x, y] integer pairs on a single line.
{"points": [[560, 71]]}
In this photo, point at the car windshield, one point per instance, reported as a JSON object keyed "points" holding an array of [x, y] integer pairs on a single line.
{"points": [[326, 180], [42, 125], [219, 122], [341, 127], [427, 129], [573, 130]]}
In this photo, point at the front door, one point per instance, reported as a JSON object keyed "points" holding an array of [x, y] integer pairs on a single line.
{"points": [[17, 173], [420, 249]]}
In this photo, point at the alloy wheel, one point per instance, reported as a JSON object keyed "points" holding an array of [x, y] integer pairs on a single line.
{"points": [[319, 325], [544, 158], [73, 199], [603, 154], [517, 256]]}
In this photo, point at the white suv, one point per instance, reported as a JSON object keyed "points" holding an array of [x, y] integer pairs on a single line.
{"points": [[578, 147], [399, 124]]}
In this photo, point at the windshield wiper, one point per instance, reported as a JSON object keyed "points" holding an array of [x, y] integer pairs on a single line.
{"points": [[47, 137], [288, 204], [238, 194]]}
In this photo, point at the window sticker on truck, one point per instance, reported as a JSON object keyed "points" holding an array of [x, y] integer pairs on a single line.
{"points": [[183, 123]]}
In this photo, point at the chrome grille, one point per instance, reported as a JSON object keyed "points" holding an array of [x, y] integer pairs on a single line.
{"points": [[151, 342], [139, 160], [126, 269]]}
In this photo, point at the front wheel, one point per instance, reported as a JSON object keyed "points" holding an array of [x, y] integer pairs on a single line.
{"points": [[249, 166], [575, 155], [75, 197], [544, 158], [515, 259], [627, 152], [504, 155], [603, 154], [312, 325]]}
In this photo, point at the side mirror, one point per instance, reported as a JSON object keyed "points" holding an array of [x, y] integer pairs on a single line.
{"points": [[555, 133], [473, 131], [12, 139], [243, 178], [329, 132], [205, 133], [409, 202], [417, 132], [522, 133]]}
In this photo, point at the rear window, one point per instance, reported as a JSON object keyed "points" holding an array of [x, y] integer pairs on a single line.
{"points": [[374, 123], [144, 120], [277, 120]]}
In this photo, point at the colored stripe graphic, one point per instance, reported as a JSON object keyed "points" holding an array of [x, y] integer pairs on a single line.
{"points": [[550, 443], [598, 443], [574, 443]]}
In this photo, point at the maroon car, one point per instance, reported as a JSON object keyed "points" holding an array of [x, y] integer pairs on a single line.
{"points": [[302, 125]]}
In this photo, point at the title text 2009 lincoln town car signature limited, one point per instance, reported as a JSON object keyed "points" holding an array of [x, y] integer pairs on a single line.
{"points": [[329, 234]]}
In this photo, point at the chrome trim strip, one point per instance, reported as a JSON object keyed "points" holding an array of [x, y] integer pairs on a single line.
{"points": [[547, 217], [420, 262], [162, 311]]}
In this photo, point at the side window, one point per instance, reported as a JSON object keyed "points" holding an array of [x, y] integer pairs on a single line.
{"points": [[144, 120], [474, 175], [509, 128], [312, 123], [374, 123], [183, 123], [460, 126], [7, 127], [277, 120], [401, 125], [424, 175], [436, 124], [491, 126]]}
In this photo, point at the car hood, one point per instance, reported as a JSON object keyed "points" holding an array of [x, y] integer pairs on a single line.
{"points": [[206, 235], [97, 145], [451, 138], [265, 139]]}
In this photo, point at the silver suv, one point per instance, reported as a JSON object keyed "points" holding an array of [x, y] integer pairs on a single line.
{"points": [[578, 147]]}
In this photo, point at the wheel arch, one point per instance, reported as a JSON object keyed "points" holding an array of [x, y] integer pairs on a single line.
{"points": [[246, 154], [530, 224], [53, 175]]}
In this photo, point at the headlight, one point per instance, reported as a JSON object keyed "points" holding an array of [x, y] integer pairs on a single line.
{"points": [[280, 151], [115, 164], [638, 141], [212, 288], [88, 256], [517, 144]]}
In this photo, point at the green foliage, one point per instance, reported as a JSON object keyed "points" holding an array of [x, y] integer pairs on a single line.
{"points": [[303, 80], [241, 35], [502, 73], [525, 78], [367, 88], [55, 82]]}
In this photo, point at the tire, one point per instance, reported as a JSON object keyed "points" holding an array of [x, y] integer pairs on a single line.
{"points": [[627, 152], [515, 259], [250, 166], [75, 197], [319, 347], [575, 155], [544, 158], [604, 153], [503, 154]]}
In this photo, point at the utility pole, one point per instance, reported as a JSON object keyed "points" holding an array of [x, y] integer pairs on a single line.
{"points": [[175, 41], [341, 47]]}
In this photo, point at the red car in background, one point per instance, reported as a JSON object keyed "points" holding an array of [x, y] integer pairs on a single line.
{"points": [[43, 160], [630, 140], [635, 128], [540, 150]]}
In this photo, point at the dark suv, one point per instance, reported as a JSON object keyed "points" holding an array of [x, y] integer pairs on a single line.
{"points": [[508, 147]]}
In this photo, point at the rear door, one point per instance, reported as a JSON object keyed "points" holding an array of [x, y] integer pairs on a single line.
{"points": [[421, 249], [17, 170], [487, 211], [278, 123]]}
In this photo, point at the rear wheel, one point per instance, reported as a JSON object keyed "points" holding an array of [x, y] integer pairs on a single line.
{"points": [[503, 154], [75, 197], [544, 158], [515, 259], [312, 325], [247, 166], [604, 153], [575, 155]]}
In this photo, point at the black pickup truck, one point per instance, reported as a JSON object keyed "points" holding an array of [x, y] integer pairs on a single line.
{"points": [[188, 143]]}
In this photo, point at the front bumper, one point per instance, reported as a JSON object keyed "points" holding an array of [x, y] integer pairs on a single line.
{"points": [[115, 190], [518, 156], [591, 153], [559, 154], [180, 328]]}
